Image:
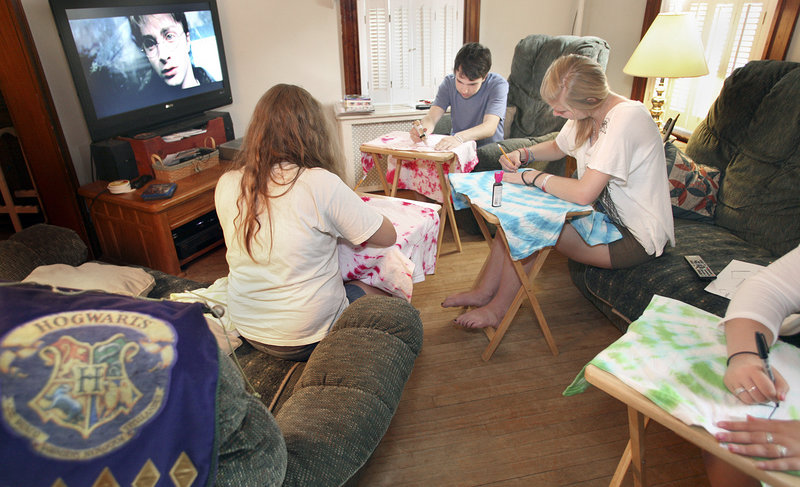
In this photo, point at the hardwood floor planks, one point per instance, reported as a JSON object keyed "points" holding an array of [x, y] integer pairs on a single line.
{"points": [[466, 422]]}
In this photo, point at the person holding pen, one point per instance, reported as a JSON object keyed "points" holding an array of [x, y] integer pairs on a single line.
{"points": [[476, 98], [761, 304], [621, 170]]}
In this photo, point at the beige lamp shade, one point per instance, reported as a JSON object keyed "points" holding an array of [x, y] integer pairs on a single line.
{"points": [[671, 48]]}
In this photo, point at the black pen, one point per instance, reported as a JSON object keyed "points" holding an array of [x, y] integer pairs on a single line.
{"points": [[763, 352]]}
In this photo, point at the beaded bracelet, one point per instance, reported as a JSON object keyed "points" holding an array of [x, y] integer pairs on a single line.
{"points": [[527, 155], [728, 363]]}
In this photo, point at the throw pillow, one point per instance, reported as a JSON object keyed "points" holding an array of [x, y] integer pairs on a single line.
{"points": [[692, 187], [130, 281]]}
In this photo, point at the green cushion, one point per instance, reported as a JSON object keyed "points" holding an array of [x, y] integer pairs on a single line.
{"points": [[752, 133]]}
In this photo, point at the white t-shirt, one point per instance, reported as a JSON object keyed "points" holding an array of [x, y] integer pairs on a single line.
{"points": [[293, 294], [630, 150], [770, 296]]}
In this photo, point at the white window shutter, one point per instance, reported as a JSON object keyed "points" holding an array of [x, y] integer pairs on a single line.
{"points": [[407, 47], [401, 52], [376, 40]]}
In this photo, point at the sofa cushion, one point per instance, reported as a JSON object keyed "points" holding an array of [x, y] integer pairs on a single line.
{"points": [[693, 187], [623, 294], [532, 56], [53, 244], [752, 132], [115, 279], [17, 260]]}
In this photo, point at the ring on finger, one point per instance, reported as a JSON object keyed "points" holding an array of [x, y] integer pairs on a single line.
{"points": [[769, 437], [782, 450], [752, 388], [738, 391]]}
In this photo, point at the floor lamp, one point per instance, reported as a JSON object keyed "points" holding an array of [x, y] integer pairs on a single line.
{"points": [[671, 48]]}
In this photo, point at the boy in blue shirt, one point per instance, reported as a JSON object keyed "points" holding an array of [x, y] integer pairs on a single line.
{"points": [[476, 98]]}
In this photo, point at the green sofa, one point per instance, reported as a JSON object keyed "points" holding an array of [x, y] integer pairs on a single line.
{"points": [[327, 415], [752, 137]]}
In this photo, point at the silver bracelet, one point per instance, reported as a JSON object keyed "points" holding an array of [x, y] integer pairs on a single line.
{"points": [[458, 138]]}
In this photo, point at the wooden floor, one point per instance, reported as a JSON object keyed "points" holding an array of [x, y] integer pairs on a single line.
{"points": [[465, 422]]}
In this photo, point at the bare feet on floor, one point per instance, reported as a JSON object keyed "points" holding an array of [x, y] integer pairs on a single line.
{"points": [[469, 298], [478, 318]]}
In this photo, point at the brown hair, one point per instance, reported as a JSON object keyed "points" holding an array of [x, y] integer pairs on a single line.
{"points": [[584, 84], [288, 125]]}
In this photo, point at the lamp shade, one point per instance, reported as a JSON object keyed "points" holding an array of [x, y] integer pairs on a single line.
{"points": [[671, 48]]}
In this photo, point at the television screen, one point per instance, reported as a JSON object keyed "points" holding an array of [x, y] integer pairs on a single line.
{"points": [[138, 64]]}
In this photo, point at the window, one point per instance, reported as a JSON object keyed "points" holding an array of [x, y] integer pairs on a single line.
{"points": [[407, 47], [733, 33]]}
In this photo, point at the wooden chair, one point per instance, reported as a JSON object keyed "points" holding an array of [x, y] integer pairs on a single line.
{"points": [[9, 206]]}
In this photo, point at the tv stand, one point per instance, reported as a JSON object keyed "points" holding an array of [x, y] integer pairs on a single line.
{"points": [[160, 234]]}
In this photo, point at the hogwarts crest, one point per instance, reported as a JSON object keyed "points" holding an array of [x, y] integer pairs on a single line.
{"points": [[81, 384]]}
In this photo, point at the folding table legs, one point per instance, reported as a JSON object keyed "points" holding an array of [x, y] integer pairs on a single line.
{"points": [[447, 203], [447, 210], [525, 290]]}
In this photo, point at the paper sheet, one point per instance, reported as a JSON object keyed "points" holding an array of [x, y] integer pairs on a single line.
{"points": [[732, 277]]}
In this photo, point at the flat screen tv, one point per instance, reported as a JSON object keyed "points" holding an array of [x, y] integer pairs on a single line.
{"points": [[141, 64]]}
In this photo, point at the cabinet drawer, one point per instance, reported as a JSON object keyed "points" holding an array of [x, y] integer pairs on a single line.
{"points": [[190, 209]]}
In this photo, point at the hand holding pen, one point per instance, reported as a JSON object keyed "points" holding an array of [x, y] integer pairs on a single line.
{"points": [[763, 354], [750, 376], [418, 132], [509, 165]]}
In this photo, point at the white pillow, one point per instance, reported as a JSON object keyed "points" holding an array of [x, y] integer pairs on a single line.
{"points": [[130, 281]]}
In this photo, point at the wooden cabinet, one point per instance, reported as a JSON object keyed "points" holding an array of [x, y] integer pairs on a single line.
{"points": [[134, 231]]}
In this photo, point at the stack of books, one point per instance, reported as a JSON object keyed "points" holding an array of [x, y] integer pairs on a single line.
{"points": [[357, 104]]}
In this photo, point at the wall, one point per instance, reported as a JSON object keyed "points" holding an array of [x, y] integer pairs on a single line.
{"points": [[271, 41], [501, 31]]}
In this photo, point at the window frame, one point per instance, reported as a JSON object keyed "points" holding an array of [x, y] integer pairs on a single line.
{"points": [[350, 48]]}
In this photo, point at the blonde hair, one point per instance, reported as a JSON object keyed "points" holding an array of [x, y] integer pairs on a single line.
{"points": [[288, 125], [583, 84]]}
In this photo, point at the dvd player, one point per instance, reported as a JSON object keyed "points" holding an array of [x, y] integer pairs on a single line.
{"points": [[196, 235]]}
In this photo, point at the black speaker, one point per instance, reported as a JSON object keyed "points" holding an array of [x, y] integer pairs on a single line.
{"points": [[226, 120], [113, 159]]}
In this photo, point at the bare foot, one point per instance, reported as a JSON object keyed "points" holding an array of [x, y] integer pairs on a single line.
{"points": [[478, 318], [469, 298]]}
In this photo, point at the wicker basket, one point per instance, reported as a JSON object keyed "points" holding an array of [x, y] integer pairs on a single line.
{"points": [[184, 169]]}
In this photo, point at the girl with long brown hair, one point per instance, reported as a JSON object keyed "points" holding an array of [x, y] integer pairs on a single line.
{"points": [[282, 210]]}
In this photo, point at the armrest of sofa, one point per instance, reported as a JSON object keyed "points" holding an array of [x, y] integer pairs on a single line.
{"points": [[40, 244], [348, 393]]}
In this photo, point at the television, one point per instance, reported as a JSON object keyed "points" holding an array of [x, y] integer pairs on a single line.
{"points": [[141, 65]]}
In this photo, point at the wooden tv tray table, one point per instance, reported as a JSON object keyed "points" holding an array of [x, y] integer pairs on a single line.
{"points": [[526, 290], [640, 408], [135, 231], [380, 154]]}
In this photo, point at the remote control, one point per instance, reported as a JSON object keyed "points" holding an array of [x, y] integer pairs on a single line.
{"points": [[700, 267]]}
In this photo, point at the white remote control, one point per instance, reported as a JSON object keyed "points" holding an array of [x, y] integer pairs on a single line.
{"points": [[700, 267]]}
